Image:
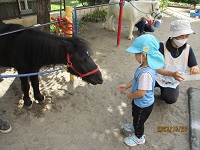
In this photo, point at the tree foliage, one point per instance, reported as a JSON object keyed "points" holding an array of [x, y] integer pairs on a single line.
{"points": [[95, 2]]}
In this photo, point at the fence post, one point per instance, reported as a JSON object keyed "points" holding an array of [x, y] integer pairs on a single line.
{"points": [[121, 4], [18, 8], [69, 10]]}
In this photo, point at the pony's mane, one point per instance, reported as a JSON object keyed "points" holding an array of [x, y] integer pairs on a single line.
{"points": [[82, 46], [40, 47]]}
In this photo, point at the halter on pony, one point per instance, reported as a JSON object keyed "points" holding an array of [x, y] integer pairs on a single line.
{"points": [[153, 12], [69, 64]]}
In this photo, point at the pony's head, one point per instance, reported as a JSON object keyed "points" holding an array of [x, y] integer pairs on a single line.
{"points": [[79, 61], [156, 13]]}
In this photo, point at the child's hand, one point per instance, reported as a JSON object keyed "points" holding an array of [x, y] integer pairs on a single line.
{"points": [[121, 88], [177, 76]]}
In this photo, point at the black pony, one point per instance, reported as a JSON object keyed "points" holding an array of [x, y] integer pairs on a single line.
{"points": [[30, 49]]}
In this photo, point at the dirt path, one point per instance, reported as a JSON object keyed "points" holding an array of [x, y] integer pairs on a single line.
{"points": [[78, 116]]}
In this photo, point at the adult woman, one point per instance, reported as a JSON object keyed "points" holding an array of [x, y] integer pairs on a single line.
{"points": [[145, 25], [178, 56]]}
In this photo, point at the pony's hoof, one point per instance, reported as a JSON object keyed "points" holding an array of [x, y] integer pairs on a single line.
{"points": [[40, 99], [104, 26], [130, 38], [29, 107], [113, 29], [41, 102]]}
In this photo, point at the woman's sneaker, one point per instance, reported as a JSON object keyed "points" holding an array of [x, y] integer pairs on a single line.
{"points": [[4, 126], [133, 140], [128, 127]]}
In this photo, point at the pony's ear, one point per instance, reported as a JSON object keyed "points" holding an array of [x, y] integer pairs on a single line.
{"points": [[68, 46]]}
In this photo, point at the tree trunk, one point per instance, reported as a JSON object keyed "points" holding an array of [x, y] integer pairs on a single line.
{"points": [[92, 2], [43, 13]]}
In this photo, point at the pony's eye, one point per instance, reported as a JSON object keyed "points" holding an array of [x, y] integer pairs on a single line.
{"points": [[88, 53]]}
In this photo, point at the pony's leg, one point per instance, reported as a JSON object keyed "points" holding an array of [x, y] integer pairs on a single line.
{"points": [[108, 17], [131, 27], [109, 23], [112, 23], [35, 84], [25, 88], [106, 24]]}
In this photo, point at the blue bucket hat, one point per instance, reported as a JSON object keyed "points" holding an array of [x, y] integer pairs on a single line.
{"points": [[148, 44]]}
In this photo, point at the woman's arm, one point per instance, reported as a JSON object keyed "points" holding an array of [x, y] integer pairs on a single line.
{"points": [[175, 75], [192, 63]]}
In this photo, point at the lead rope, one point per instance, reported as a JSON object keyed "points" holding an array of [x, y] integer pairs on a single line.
{"points": [[140, 10]]}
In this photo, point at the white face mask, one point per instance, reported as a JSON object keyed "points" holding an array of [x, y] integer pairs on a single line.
{"points": [[180, 43]]}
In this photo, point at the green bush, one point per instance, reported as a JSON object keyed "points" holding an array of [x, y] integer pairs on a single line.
{"points": [[81, 26], [99, 15], [94, 2], [189, 2]]}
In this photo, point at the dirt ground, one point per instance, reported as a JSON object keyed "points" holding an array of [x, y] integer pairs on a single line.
{"points": [[79, 116]]}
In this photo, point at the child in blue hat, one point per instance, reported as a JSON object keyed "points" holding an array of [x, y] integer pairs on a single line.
{"points": [[145, 48]]}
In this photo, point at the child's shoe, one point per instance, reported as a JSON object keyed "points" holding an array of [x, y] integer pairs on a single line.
{"points": [[133, 140], [128, 127]]}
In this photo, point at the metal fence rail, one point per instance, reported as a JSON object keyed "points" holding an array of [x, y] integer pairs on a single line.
{"points": [[10, 9]]}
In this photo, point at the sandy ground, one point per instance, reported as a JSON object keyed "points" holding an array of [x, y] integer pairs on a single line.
{"points": [[78, 116]]}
